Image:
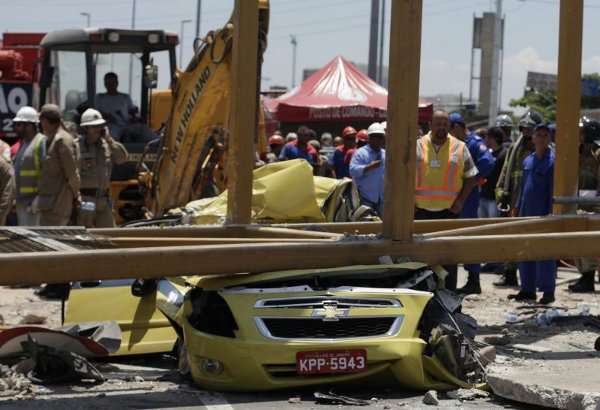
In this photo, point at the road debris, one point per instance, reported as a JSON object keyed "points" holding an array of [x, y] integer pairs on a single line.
{"points": [[31, 319], [96, 339], [47, 365], [467, 394], [431, 398], [13, 383], [332, 398]]}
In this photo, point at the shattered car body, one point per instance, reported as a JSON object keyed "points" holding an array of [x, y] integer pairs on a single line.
{"points": [[143, 328], [389, 324]]}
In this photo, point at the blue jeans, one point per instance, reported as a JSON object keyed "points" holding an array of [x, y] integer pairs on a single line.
{"points": [[488, 208]]}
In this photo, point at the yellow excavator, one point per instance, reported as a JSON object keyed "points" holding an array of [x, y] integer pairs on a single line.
{"points": [[192, 151], [179, 136]]}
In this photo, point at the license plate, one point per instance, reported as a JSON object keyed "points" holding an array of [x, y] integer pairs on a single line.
{"points": [[331, 361]]}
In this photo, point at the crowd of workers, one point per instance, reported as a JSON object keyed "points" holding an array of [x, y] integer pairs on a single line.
{"points": [[501, 171], [56, 178]]}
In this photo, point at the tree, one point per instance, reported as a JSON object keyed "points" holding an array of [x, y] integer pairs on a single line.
{"points": [[543, 102], [590, 90]]}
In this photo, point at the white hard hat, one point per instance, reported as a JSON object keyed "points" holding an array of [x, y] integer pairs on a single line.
{"points": [[91, 117], [27, 114], [376, 128]]}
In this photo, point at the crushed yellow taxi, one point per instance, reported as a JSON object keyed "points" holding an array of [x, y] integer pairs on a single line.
{"points": [[388, 324]]}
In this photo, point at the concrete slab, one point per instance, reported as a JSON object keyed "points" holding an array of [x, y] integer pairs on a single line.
{"points": [[561, 384]]}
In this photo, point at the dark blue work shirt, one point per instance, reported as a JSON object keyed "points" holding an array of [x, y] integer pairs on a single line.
{"points": [[291, 151], [338, 162], [535, 196], [484, 161]]}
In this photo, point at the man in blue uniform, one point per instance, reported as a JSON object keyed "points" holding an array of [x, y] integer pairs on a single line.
{"points": [[535, 199], [484, 161], [367, 168], [341, 168], [300, 148]]}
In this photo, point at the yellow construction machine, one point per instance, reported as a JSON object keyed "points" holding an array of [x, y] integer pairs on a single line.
{"points": [[190, 164]]}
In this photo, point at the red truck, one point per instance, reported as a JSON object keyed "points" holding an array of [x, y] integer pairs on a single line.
{"points": [[19, 76]]}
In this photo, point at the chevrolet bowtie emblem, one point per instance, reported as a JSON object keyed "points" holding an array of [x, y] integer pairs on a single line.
{"points": [[330, 313]]}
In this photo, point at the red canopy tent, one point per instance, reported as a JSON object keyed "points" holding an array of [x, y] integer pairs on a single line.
{"points": [[338, 92]]}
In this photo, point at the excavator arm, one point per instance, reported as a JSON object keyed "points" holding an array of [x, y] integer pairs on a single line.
{"points": [[192, 152]]}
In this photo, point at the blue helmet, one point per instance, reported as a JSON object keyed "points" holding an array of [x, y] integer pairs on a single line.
{"points": [[456, 118]]}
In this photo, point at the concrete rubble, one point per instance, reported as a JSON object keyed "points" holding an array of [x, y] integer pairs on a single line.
{"points": [[431, 398], [13, 384]]}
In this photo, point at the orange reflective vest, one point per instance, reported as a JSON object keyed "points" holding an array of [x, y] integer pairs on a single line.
{"points": [[439, 174]]}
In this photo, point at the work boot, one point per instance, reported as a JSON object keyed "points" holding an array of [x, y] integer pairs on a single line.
{"points": [[585, 284], [523, 296], [472, 287], [547, 298], [509, 280]]}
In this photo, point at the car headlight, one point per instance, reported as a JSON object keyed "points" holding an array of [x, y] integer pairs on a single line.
{"points": [[211, 366]]}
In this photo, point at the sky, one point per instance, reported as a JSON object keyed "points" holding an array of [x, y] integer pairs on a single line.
{"points": [[327, 28]]}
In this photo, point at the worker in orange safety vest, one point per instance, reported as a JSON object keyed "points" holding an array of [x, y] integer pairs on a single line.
{"points": [[445, 176]]}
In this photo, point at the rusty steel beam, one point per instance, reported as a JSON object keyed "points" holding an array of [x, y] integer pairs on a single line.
{"points": [[402, 119], [533, 225], [212, 231], [365, 228], [50, 267], [141, 242], [568, 102], [245, 79]]}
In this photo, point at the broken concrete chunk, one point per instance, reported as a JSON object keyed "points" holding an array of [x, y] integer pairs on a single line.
{"points": [[532, 348], [487, 355], [467, 394], [31, 319], [498, 340], [431, 398]]}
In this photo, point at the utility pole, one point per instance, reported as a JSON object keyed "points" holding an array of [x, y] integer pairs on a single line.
{"points": [[198, 15], [494, 89], [88, 18], [381, 41], [131, 55], [373, 40], [181, 27], [294, 47]]}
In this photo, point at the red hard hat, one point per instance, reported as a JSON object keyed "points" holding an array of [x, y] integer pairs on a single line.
{"points": [[276, 140], [348, 132], [362, 136]]}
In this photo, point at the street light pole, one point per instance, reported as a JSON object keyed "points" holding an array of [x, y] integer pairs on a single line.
{"points": [[88, 18], [381, 42], [494, 92], [131, 55], [294, 46], [182, 25], [198, 15]]}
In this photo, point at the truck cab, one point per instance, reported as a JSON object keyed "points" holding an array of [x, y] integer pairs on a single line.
{"points": [[74, 63]]}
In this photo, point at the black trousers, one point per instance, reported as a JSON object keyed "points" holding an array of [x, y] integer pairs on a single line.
{"points": [[424, 214]]}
